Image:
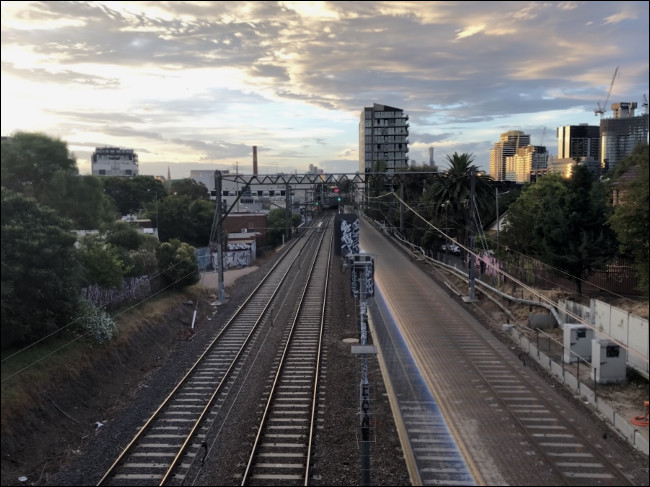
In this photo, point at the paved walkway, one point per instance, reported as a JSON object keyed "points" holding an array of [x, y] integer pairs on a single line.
{"points": [[210, 279]]}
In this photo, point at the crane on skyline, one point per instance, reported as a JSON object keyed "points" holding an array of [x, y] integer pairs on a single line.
{"points": [[601, 110]]}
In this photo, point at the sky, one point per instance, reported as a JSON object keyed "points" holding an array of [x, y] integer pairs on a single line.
{"points": [[195, 85]]}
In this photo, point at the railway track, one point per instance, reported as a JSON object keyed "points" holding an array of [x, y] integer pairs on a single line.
{"points": [[172, 441], [282, 448]]}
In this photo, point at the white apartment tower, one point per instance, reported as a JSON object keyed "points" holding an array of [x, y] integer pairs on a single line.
{"points": [[383, 133], [528, 160], [507, 146], [113, 161]]}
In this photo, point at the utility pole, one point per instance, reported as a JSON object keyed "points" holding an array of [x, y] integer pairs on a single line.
{"points": [[218, 218], [287, 212]]}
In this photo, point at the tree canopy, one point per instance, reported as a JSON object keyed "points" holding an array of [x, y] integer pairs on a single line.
{"points": [[41, 275], [189, 187], [563, 223], [40, 166], [30, 160], [183, 218], [630, 217], [178, 263], [449, 194], [131, 194]]}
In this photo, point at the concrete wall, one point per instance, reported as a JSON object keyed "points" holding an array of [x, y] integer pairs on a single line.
{"points": [[616, 421], [615, 324]]}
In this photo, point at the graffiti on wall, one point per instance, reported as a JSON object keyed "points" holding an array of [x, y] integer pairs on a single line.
{"points": [[349, 232], [234, 259], [237, 256], [132, 289]]}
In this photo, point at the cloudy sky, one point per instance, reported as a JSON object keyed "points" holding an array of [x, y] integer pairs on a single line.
{"points": [[194, 85]]}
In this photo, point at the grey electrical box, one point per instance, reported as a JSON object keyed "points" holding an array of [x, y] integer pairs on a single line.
{"points": [[577, 342], [608, 362]]}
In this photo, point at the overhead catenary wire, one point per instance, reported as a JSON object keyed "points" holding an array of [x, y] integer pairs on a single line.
{"points": [[534, 292], [533, 260]]}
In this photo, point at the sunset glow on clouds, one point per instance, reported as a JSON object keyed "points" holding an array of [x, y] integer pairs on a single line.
{"points": [[194, 85]]}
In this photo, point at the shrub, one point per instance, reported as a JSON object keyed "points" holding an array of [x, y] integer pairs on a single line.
{"points": [[97, 323]]}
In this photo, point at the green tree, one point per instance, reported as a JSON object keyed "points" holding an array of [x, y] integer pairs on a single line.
{"points": [[41, 275], [66, 191], [276, 224], [132, 194], [40, 166], [630, 217], [104, 264], [30, 160], [178, 263], [189, 187], [144, 258], [122, 234], [563, 223], [450, 194], [182, 218]]}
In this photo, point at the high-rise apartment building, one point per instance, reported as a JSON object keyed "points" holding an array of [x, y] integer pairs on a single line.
{"points": [[531, 159], [113, 161], [620, 134], [383, 133], [578, 142], [507, 146]]}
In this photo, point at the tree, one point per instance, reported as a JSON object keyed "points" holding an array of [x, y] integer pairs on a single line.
{"points": [[132, 194], [41, 276], [182, 218], [563, 223], [276, 222], [122, 234], [40, 166], [630, 218], [409, 184], [144, 258], [178, 263], [66, 191], [189, 187], [453, 188], [103, 262], [30, 160]]}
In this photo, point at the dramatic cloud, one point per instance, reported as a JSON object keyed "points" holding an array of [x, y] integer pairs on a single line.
{"points": [[197, 84]]}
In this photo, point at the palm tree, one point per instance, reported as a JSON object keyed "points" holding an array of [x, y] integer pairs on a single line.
{"points": [[450, 193]]}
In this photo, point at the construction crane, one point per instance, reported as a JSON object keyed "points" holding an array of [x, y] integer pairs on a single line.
{"points": [[601, 110]]}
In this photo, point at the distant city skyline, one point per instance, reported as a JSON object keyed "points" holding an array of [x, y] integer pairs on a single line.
{"points": [[194, 86]]}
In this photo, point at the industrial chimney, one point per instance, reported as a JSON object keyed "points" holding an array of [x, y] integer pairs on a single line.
{"points": [[255, 160]]}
